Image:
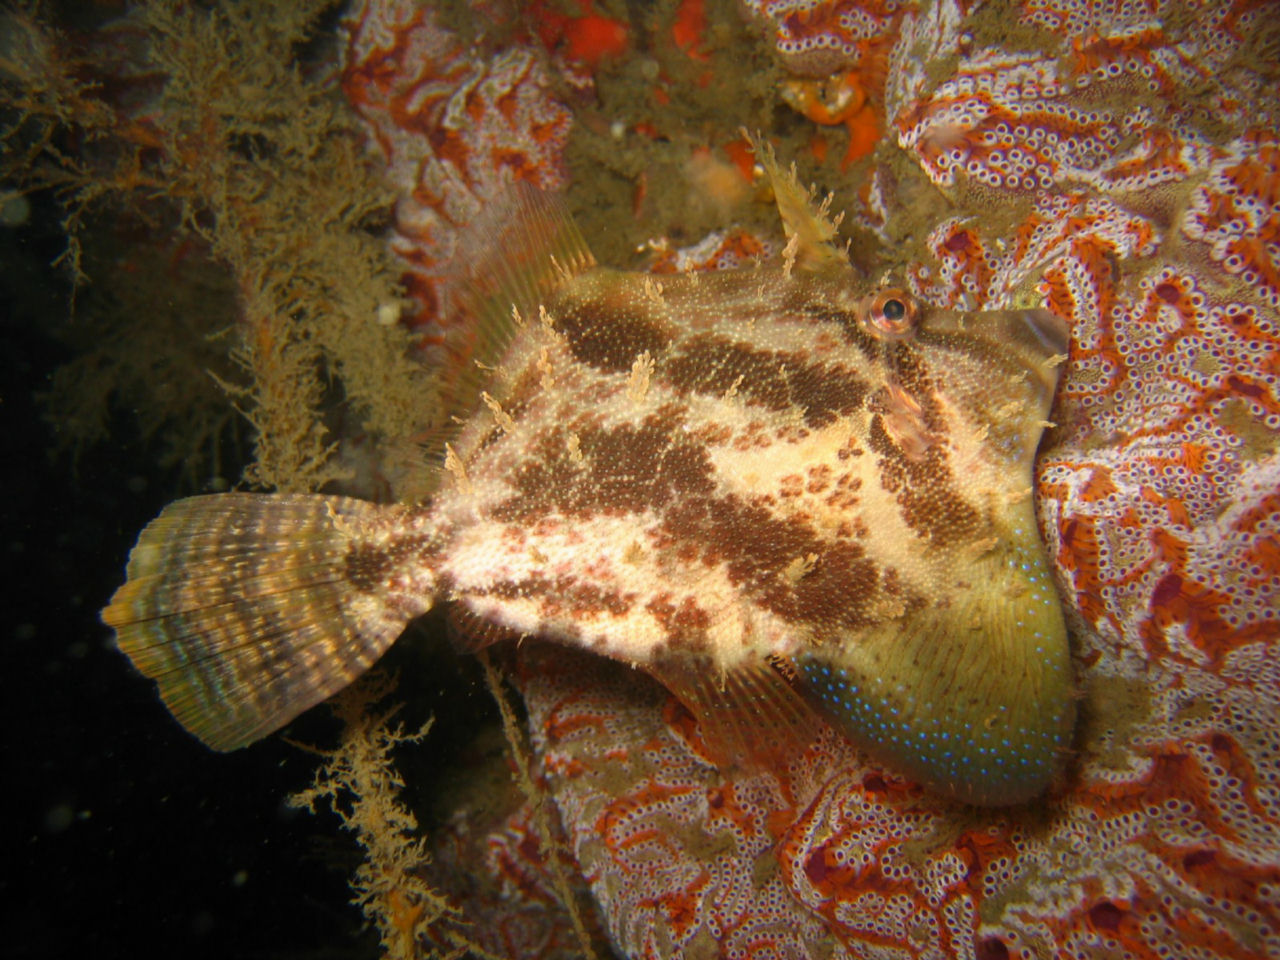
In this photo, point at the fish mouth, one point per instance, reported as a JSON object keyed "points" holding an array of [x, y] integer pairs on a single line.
{"points": [[1050, 331]]}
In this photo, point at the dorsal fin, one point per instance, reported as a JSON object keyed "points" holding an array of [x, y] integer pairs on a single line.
{"points": [[508, 261], [808, 225]]}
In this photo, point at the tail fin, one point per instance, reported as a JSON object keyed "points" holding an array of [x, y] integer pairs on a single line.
{"points": [[249, 608]]}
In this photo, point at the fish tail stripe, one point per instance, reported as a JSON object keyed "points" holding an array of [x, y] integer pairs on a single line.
{"points": [[258, 616], [235, 582], [245, 610]]}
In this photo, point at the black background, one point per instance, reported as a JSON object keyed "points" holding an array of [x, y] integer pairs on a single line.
{"points": [[126, 837]]}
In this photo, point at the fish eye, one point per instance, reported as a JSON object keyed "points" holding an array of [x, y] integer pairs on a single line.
{"points": [[890, 314]]}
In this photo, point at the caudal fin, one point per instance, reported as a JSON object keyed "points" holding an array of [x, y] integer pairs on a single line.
{"points": [[249, 608]]}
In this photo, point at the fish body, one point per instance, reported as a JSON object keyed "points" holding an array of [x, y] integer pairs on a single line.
{"points": [[778, 489]]}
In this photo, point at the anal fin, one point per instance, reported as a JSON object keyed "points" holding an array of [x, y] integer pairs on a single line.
{"points": [[471, 632], [749, 717]]}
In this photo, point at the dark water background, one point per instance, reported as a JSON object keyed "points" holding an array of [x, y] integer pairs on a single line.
{"points": [[125, 837]]}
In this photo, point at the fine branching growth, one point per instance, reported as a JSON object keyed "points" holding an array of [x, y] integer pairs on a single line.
{"points": [[224, 225], [224, 126], [359, 782]]}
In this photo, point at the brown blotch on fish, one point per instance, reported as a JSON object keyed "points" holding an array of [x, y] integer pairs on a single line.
{"points": [[925, 489], [685, 622], [775, 380], [757, 548], [620, 470], [367, 567], [609, 337]]}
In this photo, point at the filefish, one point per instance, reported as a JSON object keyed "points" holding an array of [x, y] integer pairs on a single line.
{"points": [[789, 494]]}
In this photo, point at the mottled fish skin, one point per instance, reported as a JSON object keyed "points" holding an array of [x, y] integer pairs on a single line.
{"points": [[706, 476], [728, 467]]}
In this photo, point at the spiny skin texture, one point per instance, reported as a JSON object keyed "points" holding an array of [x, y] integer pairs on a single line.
{"points": [[709, 470]]}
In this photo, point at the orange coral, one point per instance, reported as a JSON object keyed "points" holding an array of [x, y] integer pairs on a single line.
{"points": [[591, 38], [839, 100], [586, 38], [689, 27]]}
